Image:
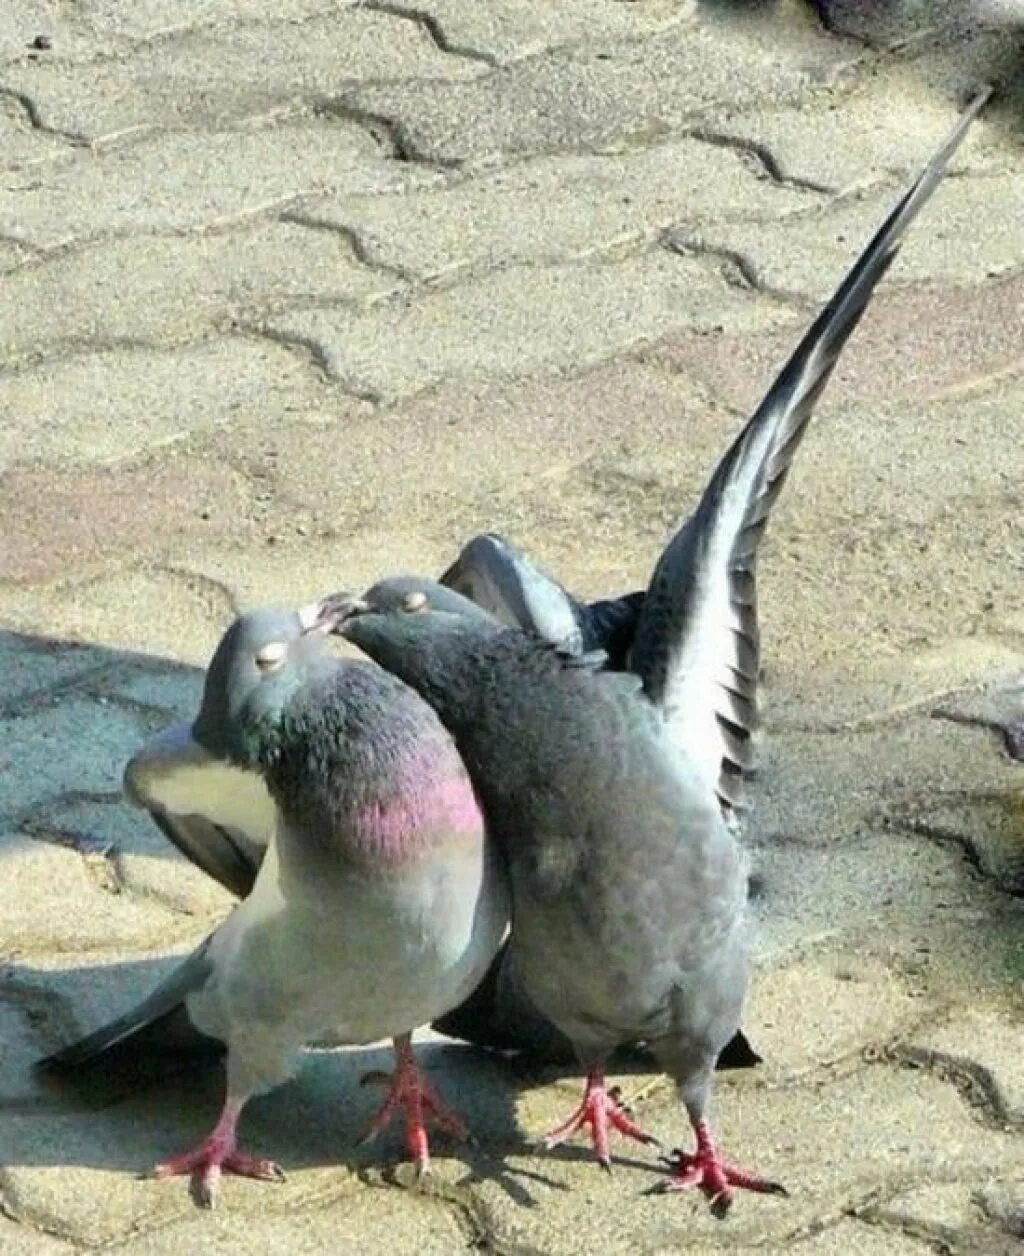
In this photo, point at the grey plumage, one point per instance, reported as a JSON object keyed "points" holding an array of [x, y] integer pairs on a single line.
{"points": [[629, 889], [693, 636], [377, 905]]}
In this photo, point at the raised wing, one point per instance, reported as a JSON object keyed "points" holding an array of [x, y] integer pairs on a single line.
{"points": [[697, 645], [218, 816]]}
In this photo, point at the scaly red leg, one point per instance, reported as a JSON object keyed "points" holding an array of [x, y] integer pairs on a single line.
{"points": [[218, 1153], [599, 1109], [706, 1168], [409, 1089]]}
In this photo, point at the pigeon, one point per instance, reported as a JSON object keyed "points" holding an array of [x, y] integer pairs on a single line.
{"points": [[700, 608], [378, 903], [609, 793]]}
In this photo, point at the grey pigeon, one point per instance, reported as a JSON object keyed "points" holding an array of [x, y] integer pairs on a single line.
{"points": [[606, 791], [223, 821], [693, 635], [378, 903]]}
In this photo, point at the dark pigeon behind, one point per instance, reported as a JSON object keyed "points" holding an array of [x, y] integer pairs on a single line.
{"points": [[629, 888], [693, 637]]}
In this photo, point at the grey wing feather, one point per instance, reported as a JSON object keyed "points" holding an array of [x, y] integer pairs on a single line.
{"points": [[500, 578], [504, 581], [697, 645], [159, 1021], [223, 852]]}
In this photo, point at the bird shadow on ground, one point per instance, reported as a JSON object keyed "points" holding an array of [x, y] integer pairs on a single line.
{"points": [[133, 1109]]}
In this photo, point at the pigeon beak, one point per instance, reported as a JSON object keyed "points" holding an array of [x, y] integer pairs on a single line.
{"points": [[326, 615], [323, 617]]}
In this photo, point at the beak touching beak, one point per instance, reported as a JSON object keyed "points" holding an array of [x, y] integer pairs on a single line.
{"points": [[326, 615]]}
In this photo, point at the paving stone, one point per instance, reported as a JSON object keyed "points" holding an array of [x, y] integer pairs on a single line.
{"points": [[410, 1221], [176, 691], [989, 823], [857, 1133], [819, 1010], [31, 665], [913, 343], [149, 19], [807, 257], [608, 89], [75, 1174], [857, 140], [159, 290], [106, 407], [57, 749], [41, 882], [553, 208], [22, 1240], [186, 180], [12, 256], [514, 323], [208, 77], [21, 145], [170, 612], [897, 898], [854, 1238], [982, 1037], [22, 1013], [510, 30], [820, 787], [21, 23], [144, 862], [909, 682], [1004, 1202], [896, 20], [79, 520]]}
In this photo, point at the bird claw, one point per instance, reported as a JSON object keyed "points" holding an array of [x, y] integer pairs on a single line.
{"points": [[206, 1163], [601, 1110], [705, 1169], [409, 1089]]}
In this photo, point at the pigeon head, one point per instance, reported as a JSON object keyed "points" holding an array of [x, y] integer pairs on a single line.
{"points": [[400, 593], [420, 632], [262, 660]]}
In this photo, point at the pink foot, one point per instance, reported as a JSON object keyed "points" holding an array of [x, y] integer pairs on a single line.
{"points": [[409, 1089], [217, 1154], [706, 1169], [599, 1109]]}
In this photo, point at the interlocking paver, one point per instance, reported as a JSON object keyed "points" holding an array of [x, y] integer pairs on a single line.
{"points": [[232, 72], [297, 294], [969, 243], [512, 324], [186, 180], [914, 343], [607, 90], [865, 141], [166, 289], [510, 30], [104, 407], [555, 208]]}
